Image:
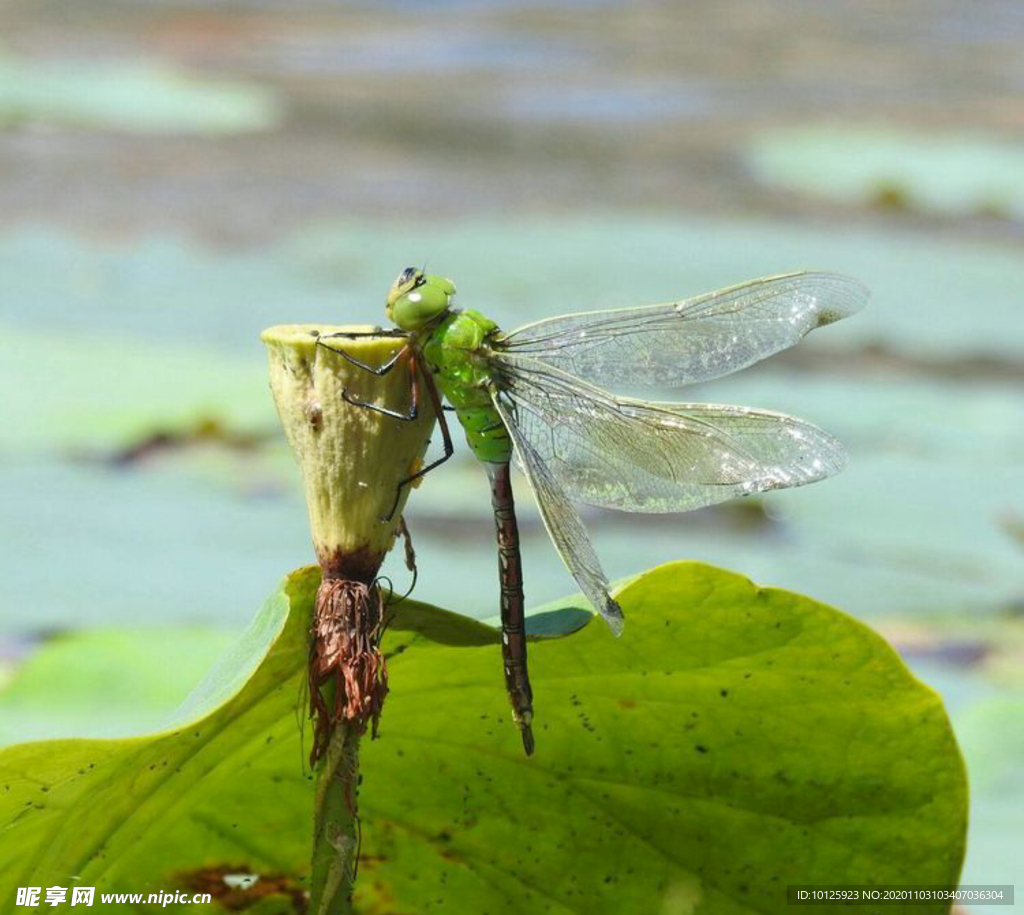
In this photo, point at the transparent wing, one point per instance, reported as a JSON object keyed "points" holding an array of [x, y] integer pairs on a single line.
{"points": [[693, 340], [631, 455], [564, 525]]}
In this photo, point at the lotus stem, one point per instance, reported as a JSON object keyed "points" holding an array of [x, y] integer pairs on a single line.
{"points": [[353, 460]]}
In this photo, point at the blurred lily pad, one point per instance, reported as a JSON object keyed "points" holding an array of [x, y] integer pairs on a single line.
{"points": [[100, 393], [612, 260], [134, 96], [736, 740], [168, 291], [106, 683], [993, 745], [967, 174]]}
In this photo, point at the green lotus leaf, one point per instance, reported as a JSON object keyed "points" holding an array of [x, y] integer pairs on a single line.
{"points": [[734, 741]]}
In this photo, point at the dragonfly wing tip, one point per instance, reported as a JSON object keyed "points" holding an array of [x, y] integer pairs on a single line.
{"points": [[613, 616]]}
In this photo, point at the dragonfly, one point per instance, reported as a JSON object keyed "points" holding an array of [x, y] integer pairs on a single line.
{"points": [[539, 393]]}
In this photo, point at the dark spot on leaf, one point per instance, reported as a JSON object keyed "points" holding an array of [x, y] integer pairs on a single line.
{"points": [[238, 898], [723, 693], [700, 748]]}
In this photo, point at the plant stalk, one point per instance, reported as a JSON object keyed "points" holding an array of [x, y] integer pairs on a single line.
{"points": [[335, 825], [352, 459]]}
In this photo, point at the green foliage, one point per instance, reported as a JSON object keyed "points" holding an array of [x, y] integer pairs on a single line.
{"points": [[734, 741]]}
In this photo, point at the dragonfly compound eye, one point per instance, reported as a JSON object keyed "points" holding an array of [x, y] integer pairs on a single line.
{"points": [[420, 301]]}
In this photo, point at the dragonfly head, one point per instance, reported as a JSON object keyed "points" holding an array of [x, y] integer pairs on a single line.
{"points": [[416, 300]]}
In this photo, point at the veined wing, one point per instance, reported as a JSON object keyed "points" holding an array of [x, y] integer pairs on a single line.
{"points": [[563, 522], [631, 455], [693, 340]]}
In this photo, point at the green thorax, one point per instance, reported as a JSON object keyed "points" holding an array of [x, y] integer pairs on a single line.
{"points": [[455, 354]]}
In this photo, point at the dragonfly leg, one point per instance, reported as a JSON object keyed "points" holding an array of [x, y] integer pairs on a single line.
{"points": [[446, 436], [408, 416], [407, 352], [379, 371], [356, 334]]}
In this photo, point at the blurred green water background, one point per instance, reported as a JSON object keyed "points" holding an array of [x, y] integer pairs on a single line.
{"points": [[174, 177]]}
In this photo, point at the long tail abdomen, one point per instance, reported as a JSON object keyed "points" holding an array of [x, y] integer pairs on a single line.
{"points": [[513, 618]]}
